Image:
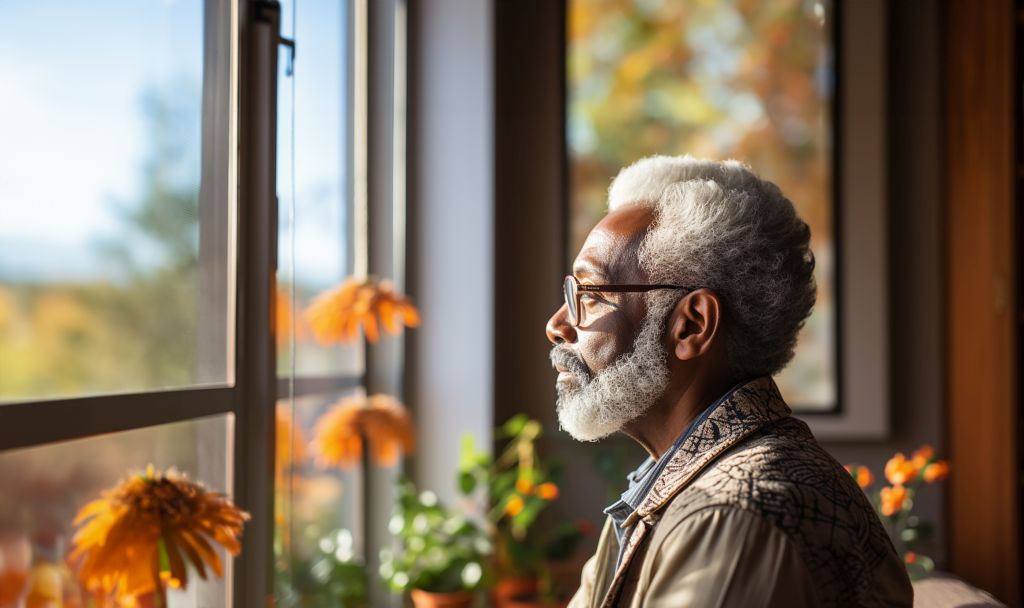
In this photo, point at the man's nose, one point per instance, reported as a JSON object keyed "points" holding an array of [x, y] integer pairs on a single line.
{"points": [[559, 329]]}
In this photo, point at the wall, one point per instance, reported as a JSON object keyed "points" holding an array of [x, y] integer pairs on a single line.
{"points": [[915, 269], [450, 227]]}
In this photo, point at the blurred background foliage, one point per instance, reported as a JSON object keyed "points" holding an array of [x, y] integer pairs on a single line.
{"points": [[746, 79], [134, 323]]}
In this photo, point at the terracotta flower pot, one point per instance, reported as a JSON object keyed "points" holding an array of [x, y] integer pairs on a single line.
{"points": [[15, 559], [508, 588], [429, 599]]}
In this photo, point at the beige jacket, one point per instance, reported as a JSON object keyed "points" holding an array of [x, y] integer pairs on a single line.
{"points": [[749, 512]]}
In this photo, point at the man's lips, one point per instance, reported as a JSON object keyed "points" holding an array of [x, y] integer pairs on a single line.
{"points": [[564, 375], [569, 367]]}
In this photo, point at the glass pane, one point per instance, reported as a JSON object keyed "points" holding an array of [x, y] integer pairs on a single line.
{"points": [[44, 487], [317, 541], [113, 189], [314, 182], [728, 79]]}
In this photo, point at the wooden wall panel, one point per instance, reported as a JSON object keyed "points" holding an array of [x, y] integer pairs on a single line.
{"points": [[529, 262], [981, 387]]}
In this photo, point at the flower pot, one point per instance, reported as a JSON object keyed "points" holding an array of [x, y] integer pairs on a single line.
{"points": [[508, 588], [430, 599], [15, 559]]}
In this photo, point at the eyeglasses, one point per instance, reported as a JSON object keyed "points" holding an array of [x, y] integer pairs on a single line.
{"points": [[574, 289]]}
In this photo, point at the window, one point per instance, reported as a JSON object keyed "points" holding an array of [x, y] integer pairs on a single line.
{"points": [[44, 487], [118, 263], [144, 250], [315, 253], [114, 199], [747, 80], [340, 165]]}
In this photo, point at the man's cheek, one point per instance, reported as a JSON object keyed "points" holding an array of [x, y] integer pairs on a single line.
{"points": [[600, 356]]}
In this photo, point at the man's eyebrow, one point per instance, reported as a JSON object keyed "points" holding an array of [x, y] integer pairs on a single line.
{"points": [[587, 268]]}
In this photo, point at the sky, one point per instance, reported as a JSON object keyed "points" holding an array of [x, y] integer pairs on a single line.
{"points": [[74, 134]]}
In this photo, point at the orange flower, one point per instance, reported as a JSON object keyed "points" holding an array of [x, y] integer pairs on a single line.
{"points": [[922, 456], [136, 537], [380, 419], [910, 557], [336, 315], [338, 437], [289, 449], [524, 486], [936, 471], [547, 491], [893, 499], [899, 470], [514, 506], [863, 476]]}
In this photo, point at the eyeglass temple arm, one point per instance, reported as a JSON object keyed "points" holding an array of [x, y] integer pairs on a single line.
{"points": [[628, 288]]}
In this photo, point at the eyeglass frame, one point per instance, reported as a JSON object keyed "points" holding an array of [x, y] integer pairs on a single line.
{"points": [[581, 288]]}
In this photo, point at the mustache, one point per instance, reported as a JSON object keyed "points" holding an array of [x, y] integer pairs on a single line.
{"points": [[562, 356]]}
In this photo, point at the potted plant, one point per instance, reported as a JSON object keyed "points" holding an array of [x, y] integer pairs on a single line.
{"points": [[518, 487], [442, 554]]}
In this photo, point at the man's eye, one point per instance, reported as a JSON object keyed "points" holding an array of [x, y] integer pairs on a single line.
{"points": [[592, 299]]}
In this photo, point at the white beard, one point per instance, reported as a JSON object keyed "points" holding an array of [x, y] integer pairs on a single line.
{"points": [[593, 407]]}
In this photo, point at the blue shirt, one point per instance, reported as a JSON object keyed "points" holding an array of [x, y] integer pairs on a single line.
{"points": [[642, 479]]}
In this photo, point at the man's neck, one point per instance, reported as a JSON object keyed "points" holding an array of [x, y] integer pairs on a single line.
{"points": [[661, 425]]}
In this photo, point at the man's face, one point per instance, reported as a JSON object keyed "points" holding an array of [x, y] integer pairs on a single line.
{"points": [[612, 367]]}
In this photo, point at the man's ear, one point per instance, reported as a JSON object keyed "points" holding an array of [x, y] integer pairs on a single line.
{"points": [[694, 324]]}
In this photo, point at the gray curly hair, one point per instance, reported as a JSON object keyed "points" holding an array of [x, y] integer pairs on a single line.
{"points": [[720, 226]]}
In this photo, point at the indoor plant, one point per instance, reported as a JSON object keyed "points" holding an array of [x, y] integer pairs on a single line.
{"points": [[518, 486], [895, 502], [442, 554], [333, 577]]}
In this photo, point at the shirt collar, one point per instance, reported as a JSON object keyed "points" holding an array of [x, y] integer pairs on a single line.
{"points": [[641, 479]]}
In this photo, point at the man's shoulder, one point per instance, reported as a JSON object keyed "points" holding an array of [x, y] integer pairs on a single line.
{"points": [[784, 477], [779, 468]]}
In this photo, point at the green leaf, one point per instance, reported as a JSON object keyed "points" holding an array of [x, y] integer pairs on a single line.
{"points": [[513, 426], [467, 482], [467, 452]]}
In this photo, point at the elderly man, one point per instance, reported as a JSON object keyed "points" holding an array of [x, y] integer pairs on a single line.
{"points": [[684, 301]]}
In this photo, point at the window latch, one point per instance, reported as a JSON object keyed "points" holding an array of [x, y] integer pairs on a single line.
{"points": [[288, 43]]}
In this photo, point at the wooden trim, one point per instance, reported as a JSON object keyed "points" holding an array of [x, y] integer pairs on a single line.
{"points": [[981, 345]]}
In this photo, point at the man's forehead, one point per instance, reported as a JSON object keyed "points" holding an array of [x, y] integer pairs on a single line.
{"points": [[611, 247]]}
